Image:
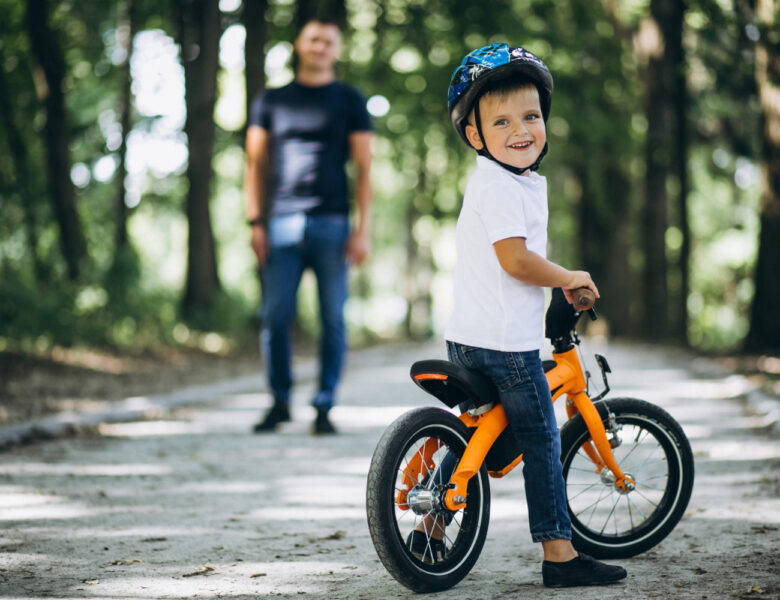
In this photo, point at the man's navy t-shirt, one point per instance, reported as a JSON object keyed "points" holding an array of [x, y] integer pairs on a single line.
{"points": [[309, 131]]}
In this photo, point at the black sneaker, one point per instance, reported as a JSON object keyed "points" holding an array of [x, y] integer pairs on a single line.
{"points": [[322, 424], [279, 413], [428, 550], [583, 570]]}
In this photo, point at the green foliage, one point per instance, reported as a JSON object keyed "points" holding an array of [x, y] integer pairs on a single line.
{"points": [[405, 51]]}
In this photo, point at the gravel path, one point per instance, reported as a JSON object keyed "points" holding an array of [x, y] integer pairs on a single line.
{"points": [[191, 505]]}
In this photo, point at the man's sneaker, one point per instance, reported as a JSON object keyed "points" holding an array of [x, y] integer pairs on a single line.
{"points": [[583, 570], [279, 413], [322, 424], [428, 550]]}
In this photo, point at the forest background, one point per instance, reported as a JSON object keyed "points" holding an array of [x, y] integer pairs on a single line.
{"points": [[122, 220]]}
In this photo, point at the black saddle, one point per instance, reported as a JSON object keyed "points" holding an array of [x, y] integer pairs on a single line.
{"points": [[453, 384], [470, 390]]}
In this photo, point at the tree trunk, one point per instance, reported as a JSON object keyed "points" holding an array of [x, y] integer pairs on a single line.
{"points": [[601, 243], [679, 323], [662, 156], [127, 33], [21, 173], [48, 52], [616, 287], [199, 33], [419, 267], [254, 49], [764, 334]]}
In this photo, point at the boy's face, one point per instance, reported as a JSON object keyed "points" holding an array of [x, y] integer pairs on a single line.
{"points": [[512, 125]]}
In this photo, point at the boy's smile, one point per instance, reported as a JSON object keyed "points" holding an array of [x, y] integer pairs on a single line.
{"points": [[512, 126]]}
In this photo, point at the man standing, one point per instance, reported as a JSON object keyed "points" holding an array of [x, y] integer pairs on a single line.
{"points": [[298, 141]]}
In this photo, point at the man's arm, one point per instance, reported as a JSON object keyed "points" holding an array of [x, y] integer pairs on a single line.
{"points": [[360, 149], [531, 268], [257, 145]]}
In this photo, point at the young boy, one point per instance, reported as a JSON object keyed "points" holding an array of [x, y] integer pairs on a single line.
{"points": [[499, 101]]}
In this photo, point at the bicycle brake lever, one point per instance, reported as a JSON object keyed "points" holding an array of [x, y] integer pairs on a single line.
{"points": [[592, 314]]}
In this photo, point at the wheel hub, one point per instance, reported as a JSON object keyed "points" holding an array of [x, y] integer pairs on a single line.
{"points": [[423, 501], [608, 479]]}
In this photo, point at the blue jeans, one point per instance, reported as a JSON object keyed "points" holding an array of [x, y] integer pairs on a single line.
{"points": [[525, 395], [299, 242]]}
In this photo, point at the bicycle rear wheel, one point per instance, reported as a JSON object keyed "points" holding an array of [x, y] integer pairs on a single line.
{"points": [[403, 496], [652, 449]]}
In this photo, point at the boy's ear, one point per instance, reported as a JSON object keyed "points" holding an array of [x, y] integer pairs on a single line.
{"points": [[472, 135]]}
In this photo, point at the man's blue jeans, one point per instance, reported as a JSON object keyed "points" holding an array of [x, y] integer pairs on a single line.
{"points": [[299, 242], [525, 395]]}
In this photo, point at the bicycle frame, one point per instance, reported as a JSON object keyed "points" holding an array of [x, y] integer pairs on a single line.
{"points": [[565, 378]]}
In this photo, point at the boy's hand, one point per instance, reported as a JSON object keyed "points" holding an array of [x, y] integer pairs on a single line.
{"points": [[579, 279]]}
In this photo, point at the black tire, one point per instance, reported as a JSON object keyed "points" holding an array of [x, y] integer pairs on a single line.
{"points": [[655, 452], [391, 524]]}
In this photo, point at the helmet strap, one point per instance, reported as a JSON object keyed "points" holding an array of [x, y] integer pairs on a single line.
{"points": [[486, 153]]}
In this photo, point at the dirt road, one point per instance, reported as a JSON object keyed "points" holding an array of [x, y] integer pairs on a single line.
{"points": [[194, 506]]}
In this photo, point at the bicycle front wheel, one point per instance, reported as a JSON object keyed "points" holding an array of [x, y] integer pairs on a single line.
{"points": [[407, 480], [651, 448]]}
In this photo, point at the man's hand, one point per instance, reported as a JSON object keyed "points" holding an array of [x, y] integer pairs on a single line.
{"points": [[357, 248], [260, 244]]}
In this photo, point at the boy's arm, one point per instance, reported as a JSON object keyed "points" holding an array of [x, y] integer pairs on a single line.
{"points": [[530, 268]]}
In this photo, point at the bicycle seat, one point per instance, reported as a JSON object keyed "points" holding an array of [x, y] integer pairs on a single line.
{"points": [[453, 384]]}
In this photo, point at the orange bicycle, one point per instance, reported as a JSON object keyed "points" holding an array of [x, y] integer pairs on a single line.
{"points": [[627, 465]]}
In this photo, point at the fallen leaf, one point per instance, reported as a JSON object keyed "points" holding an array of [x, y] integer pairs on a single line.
{"points": [[258, 575], [91, 581], [763, 529], [204, 570], [127, 561], [699, 571], [336, 535]]}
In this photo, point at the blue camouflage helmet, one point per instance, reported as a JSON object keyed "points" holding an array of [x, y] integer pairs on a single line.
{"points": [[492, 63]]}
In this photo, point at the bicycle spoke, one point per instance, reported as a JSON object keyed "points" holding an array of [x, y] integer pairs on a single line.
{"points": [[649, 487], [591, 471], [650, 502], [456, 521], [638, 509], [630, 512], [630, 452], [661, 476], [611, 512], [595, 505], [405, 517], [590, 487], [448, 541], [649, 456]]}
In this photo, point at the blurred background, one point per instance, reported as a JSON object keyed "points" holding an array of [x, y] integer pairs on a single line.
{"points": [[122, 220]]}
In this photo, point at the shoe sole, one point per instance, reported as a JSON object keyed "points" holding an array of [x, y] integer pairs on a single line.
{"points": [[585, 583]]}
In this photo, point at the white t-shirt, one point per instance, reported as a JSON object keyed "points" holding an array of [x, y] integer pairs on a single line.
{"points": [[492, 309]]}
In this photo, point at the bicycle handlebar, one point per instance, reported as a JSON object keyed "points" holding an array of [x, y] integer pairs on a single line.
{"points": [[584, 299]]}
